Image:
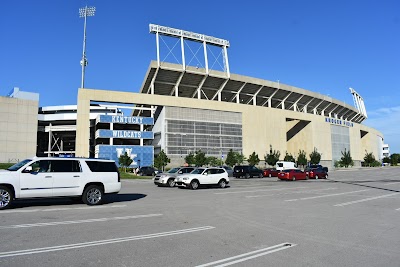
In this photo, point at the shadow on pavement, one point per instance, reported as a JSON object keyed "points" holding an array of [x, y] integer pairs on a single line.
{"points": [[71, 202]]}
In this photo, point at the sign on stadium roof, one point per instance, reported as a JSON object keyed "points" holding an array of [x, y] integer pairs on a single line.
{"points": [[188, 35]]}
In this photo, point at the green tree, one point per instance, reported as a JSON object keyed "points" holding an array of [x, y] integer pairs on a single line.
{"points": [[200, 158], [289, 157], [231, 158], [161, 160], [315, 157], [346, 160], [301, 158], [386, 160], [239, 158], [394, 159], [214, 161], [124, 161], [369, 159], [273, 157], [189, 159], [253, 159]]}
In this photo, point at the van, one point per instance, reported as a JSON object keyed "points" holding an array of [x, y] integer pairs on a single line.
{"points": [[40, 177], [283, 165]]}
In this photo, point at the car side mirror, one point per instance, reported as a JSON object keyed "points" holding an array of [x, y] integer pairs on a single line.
{"points": [[180, 172], [27, 169], [206, 173]]}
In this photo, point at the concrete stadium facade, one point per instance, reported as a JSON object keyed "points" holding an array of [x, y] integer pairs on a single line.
{"points": [[270, 114]]}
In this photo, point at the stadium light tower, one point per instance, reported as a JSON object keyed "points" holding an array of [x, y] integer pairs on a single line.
{"points": [[85, 12]]}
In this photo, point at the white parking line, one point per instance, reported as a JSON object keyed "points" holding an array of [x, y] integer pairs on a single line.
{"points": [[363, 200], [77, 222], [393, 183], [248, 255], [297, 192], [100, 242], [331, 195], [261, 190], [62, 209]]}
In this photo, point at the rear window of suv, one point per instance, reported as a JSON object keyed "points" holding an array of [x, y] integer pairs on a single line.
{"points": [[101, 166]]}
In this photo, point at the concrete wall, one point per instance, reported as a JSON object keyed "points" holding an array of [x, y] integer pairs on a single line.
{"points": [[18, 128], [261, 126]]}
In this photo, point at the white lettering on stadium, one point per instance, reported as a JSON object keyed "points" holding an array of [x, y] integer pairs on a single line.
{"points": [[127, 134], [130, 120]]}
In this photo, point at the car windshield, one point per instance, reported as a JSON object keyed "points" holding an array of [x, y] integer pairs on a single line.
{"points": [[197, 171], [174, 170], [18, 165]]}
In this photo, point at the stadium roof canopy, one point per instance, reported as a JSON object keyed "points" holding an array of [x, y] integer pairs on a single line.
{"points": [[173, 80]]}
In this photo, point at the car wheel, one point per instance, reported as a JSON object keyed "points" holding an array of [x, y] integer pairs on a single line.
{"points": [[269, 175], [171, 182], [194, 184], [222, 183], [306, 177], [294, 178], [260, 175], [316, 177], [93, 195], [6, 197], [247, 176]]}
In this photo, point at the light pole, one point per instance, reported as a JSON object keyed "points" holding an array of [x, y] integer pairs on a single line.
{"points": [[85, 12]]}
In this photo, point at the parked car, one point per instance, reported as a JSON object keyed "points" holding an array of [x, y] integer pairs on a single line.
{"points": [[247, 171], [203, 177], [147, 171], [228, 169], [315, 173], [292, 174], [318, 166], [87, 179], [168, 178], [270, 172]]}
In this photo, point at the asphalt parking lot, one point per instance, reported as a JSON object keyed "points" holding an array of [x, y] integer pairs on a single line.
{"points": [[350, 219]]}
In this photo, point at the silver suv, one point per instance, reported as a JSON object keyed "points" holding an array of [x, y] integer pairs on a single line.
{"points": [[168, 178]]}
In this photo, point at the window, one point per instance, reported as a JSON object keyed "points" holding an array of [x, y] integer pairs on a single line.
{"points": [[65, 166], [220, 171], [101, 166]]}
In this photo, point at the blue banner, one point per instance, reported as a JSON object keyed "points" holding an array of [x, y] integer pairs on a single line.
{"points": [[126, 134], [126, 120], [141, 155]]}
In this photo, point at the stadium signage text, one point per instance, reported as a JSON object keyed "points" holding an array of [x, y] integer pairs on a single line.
{"points": [[125, 119], [126, 134], [339, 122]]}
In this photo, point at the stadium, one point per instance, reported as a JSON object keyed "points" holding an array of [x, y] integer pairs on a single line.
{"points": [[183, 108]]}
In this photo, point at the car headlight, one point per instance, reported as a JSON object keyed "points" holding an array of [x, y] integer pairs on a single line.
{"points": [[163, 175]]}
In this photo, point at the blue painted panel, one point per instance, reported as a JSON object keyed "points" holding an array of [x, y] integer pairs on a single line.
{"points": [[141, 155]]}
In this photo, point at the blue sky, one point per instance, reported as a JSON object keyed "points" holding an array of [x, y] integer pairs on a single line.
{"points": [[322, 46]]}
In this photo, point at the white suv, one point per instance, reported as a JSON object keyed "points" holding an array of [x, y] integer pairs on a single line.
{"points": [[203, 176], [87, 178]]}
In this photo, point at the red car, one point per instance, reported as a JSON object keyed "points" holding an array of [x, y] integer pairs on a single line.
{"points": [[316, 173], [272, 172], [292, 174]]}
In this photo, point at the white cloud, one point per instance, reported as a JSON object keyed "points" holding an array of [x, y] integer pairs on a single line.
{"points": [[387, 121]]}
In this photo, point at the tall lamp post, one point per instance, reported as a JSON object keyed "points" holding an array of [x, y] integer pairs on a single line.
{"points": [[85, 12]]}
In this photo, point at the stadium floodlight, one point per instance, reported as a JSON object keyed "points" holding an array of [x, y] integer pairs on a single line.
{"points": [[85, 12]]}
